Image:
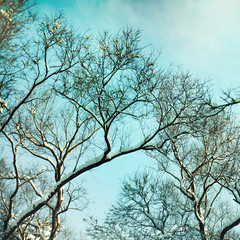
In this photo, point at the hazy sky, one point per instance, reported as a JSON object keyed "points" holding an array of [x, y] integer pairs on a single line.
{"points": [[203, 36]]}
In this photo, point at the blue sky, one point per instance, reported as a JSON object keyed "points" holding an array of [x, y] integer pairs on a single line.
{"points": [[202, 36]]}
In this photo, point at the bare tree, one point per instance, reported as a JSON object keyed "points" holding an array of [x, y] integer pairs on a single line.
{"points": [[15, 18], [77, 102], [197, 203], [198, 163], [34, 133], [148, 208]]}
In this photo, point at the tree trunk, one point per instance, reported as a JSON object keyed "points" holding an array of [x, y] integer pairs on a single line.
{"points": [[203, 231]]}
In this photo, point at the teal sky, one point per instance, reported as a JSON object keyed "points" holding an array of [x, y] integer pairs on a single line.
{"points": [[202, 36]]}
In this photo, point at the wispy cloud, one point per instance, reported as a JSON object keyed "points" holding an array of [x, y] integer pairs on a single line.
{"points": [[201, 35]]}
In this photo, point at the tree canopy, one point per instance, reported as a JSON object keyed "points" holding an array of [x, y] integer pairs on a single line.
{"points": [[71, 102]]}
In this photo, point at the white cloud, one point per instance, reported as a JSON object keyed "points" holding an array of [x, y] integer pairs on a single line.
{"points": [[203, 35]]}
